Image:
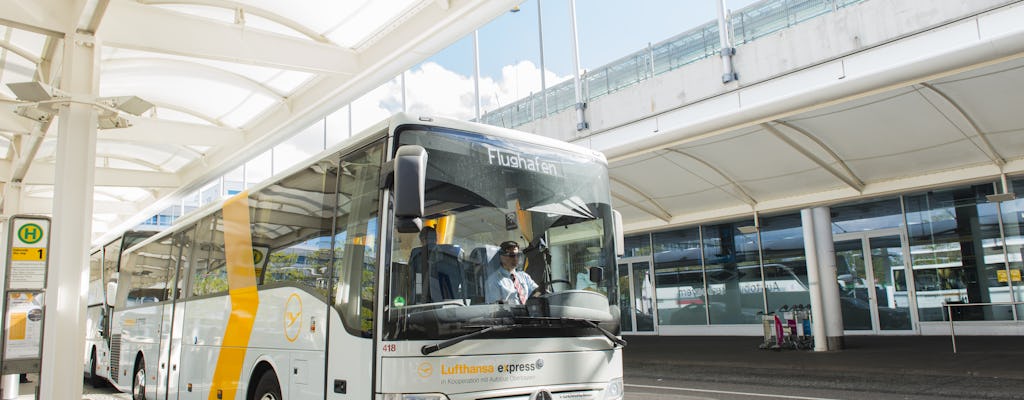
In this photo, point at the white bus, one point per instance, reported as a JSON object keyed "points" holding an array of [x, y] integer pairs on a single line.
{"points": [[302, 287], [103, 262]]}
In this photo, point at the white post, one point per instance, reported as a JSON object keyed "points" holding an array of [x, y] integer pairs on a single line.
{"points": [[540, 42], [727, 51], [405, 107], [64, 326], [476, 72], [814, 281], [581, 119], [833, 311]]}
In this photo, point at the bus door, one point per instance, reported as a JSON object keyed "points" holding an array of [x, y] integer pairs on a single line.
{"points": [[636, 296], [873, 291], [173, 318]]}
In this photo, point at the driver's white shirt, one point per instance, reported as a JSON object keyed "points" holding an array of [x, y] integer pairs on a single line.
{"points": [[499, 286]]}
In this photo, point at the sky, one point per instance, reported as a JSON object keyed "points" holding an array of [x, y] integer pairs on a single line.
{"points": [[510, 63]]}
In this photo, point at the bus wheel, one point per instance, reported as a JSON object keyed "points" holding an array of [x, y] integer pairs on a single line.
{"points": [[139, 381], [94, 380], [267, 388]]}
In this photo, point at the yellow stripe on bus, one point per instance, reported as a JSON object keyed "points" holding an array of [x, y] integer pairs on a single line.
{"points": [[242, 292]]}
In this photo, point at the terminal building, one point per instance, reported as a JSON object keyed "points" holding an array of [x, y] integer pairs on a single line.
{"points": [[865, 157]]}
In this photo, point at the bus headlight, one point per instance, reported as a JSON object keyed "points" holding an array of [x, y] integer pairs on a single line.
{"points": [[614, 390], [415, 396]]}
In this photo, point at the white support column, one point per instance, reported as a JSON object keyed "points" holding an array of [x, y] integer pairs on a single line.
{"points": [[63, 348], [12, 203], [833, 313], [814, 281]]}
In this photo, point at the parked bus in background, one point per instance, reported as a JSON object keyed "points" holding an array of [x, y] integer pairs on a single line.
{"points": [[103, 262], [306, 286]]}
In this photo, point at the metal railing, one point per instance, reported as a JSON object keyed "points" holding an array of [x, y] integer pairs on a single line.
{"points": [[949, 314], [749, 23]]}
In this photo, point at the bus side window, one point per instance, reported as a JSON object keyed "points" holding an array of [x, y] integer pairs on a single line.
{"points": [[290, 221], [210, 273], [148, 273]]}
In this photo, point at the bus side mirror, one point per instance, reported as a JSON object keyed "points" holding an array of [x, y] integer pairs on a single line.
{"points": [[620, 241], [596, 274], [111, 293], [410, 183]]}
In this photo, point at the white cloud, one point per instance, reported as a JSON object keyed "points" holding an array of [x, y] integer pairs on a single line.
{"points": [[434, 90]]}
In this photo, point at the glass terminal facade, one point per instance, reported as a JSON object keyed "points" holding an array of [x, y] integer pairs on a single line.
{"points": [[912, 253]]}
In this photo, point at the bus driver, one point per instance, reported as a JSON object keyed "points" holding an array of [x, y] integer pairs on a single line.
{"points": [[507, 284]]}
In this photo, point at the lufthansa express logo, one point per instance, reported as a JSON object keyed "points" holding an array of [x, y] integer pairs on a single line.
{"points": [[292, 317], [487, 369]]}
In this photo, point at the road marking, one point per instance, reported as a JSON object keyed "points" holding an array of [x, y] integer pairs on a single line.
{"points": [[777, 396]]}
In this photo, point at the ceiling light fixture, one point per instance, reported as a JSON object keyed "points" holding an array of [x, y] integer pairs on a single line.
{"points": [[41, 99]]}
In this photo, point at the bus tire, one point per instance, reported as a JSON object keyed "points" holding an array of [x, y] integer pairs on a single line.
{"points": [[94, 380], [268, 388], [139, 379]]}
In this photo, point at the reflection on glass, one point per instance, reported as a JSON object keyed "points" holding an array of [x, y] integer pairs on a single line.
{"points": [[1013, 228], [955, 249], [733, 273], [853, 287], [643, 302], [868, 216], [679, 277], [886, 259], [638, 245], [625, 317], [785, 265]]}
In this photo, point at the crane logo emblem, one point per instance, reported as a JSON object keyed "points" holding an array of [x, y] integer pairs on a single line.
{"points": [[425, 370], [292, 317]]}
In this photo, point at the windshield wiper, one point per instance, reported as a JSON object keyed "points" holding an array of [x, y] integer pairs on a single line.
{"points": [[427, 349], [611, 336]]}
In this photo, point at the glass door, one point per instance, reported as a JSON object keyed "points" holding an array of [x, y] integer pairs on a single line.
{"points": [[873, 291], [636, 295]]}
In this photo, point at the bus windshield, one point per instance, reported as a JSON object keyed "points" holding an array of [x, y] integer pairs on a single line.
{"points": [[482, 191]]}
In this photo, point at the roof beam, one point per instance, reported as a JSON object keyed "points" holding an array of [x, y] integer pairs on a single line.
{"points": [[131, 25], [743, 195], [164, 132], [19, 51], [848, 177], [43, 174], [47, 17], [986, 146], [11, 122], [660, 213], [249, 9], [640, 207], [188, 69]]}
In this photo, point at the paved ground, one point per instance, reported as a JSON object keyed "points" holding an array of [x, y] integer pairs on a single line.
{"points": [[983, 368]]}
